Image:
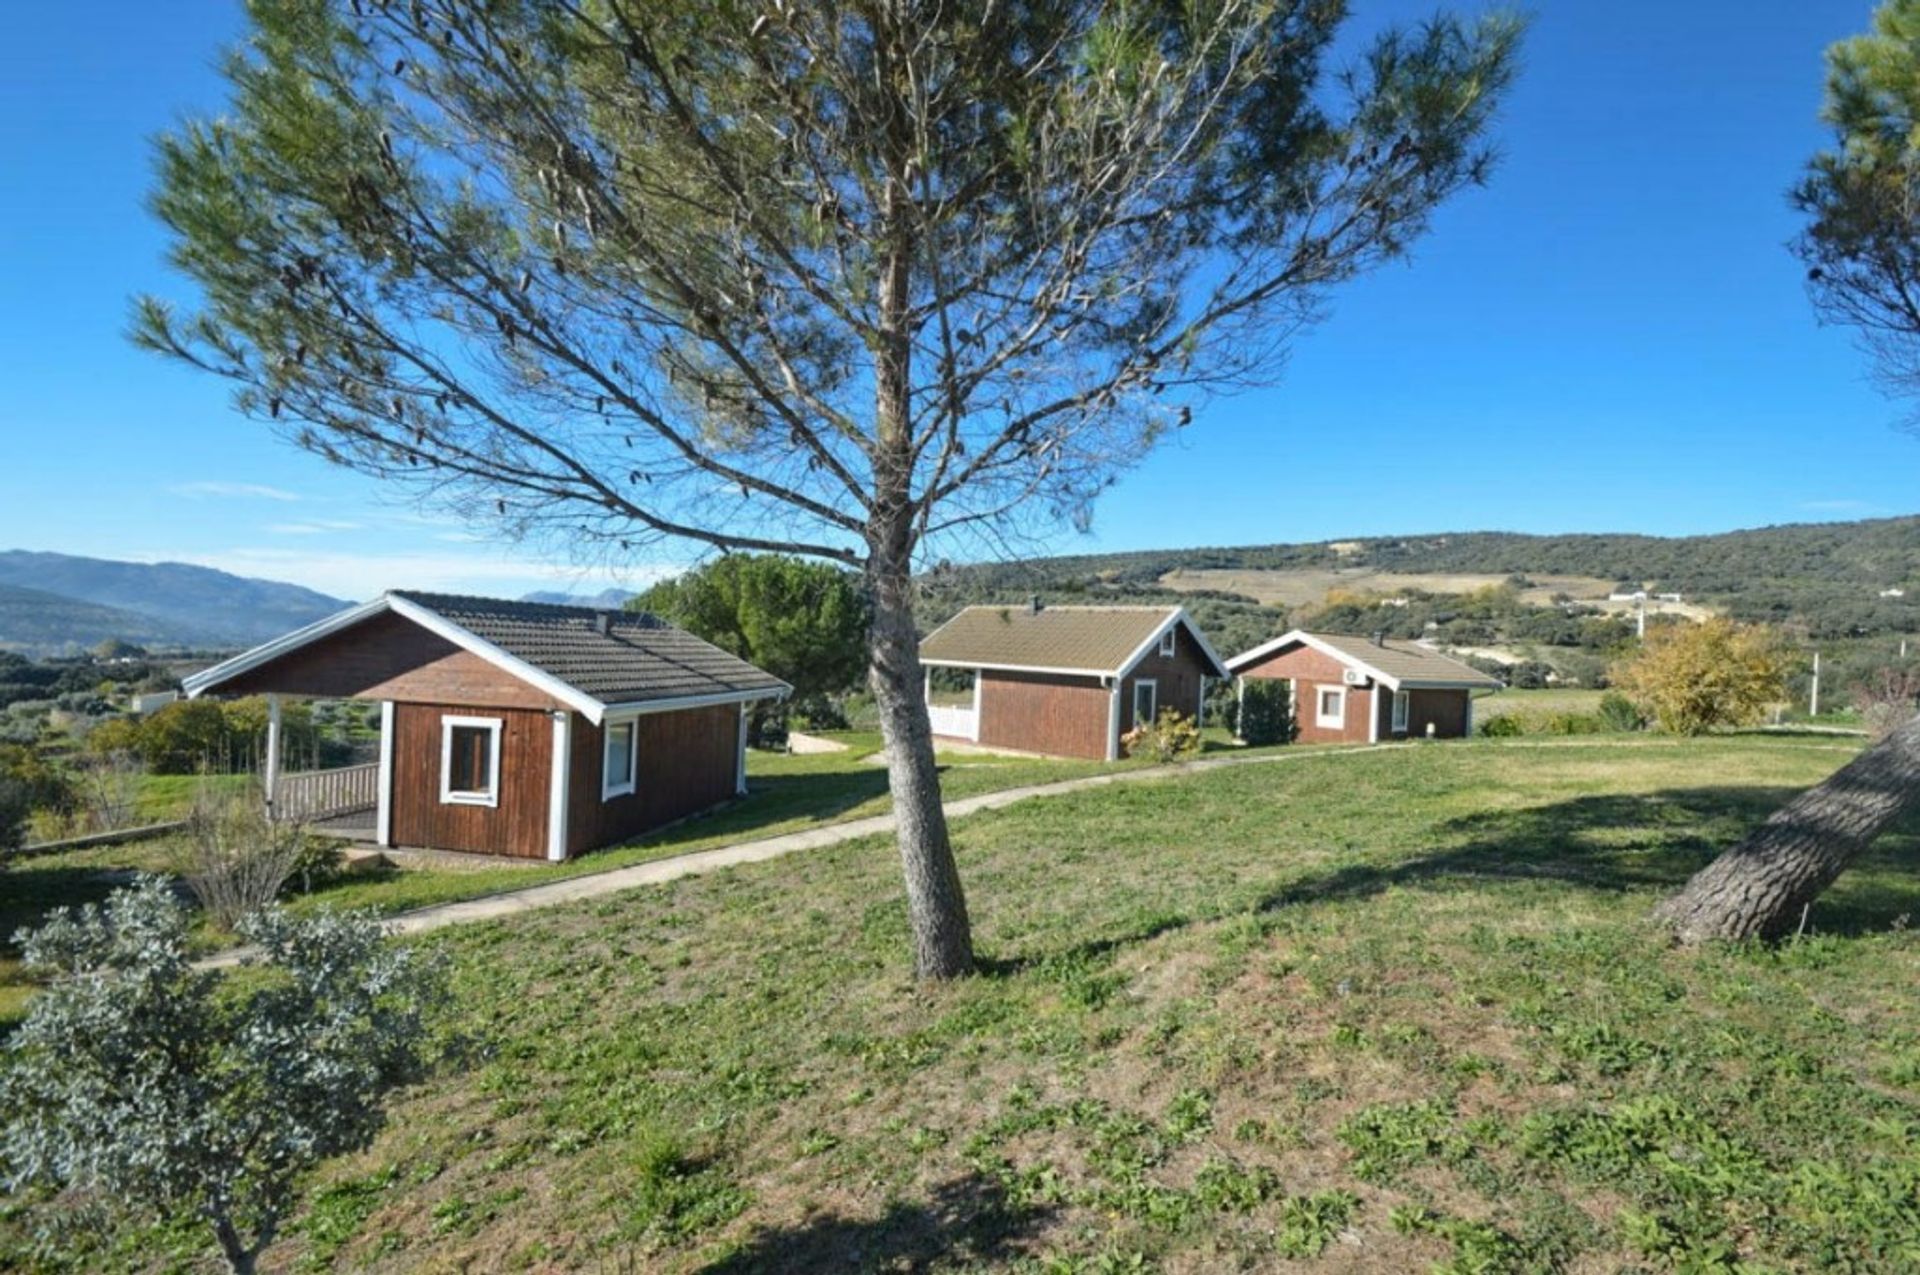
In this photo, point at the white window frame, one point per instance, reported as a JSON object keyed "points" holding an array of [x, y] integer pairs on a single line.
{"points": [[490, 797], [1167, 647], [1335, 721], [632, 783], [1402, 703], [1152, 687]]}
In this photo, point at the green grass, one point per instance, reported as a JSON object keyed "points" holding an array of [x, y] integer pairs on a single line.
{"points": [[1535, 704], [1389, 1011]]}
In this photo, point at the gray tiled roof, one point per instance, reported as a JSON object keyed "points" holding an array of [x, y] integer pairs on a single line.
{"points": [[1089, 639], [1407, 662], [640, 658]]}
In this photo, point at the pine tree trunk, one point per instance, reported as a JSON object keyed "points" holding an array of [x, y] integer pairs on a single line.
{"points": [[936, 904], [1760, 888]]}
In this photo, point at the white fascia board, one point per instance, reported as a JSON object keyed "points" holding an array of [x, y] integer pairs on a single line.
{"points": [[1178, 617], [589, 707], [1019, 668], [1327, 649], [197, 684], [636, 708]]}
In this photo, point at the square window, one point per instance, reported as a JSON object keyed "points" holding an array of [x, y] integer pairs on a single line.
{"points": [[1146, 696], [1166, 643], [1331, 707], [470, 761], [620, 763]]}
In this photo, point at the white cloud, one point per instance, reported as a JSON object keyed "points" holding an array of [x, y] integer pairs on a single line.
{"points": [[230, 491], [312, 527]]}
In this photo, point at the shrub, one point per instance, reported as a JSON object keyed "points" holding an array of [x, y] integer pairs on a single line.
{"points": [[238, 859], [1266, 712], [137, 1080], [1171, 736], [1693, 677], [107, 790], [15, 806], [1574, 724], [1618, 712], [1886, 698], [1505, 726]]}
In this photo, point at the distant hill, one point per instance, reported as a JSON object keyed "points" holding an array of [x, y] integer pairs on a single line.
{"points": [[612, 599], [57, 601], [1824, 578]]}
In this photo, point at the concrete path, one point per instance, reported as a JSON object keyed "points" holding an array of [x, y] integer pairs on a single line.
{"points": [[594, 885]]}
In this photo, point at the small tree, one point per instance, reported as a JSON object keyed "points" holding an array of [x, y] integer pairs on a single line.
{"points": [[1887, 696], [1266, 712], [107, 790], [1691, 678], [136, 1080], [237, 858]]}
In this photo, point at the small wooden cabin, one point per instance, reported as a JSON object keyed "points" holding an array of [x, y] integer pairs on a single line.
{"points": [[1065, 681], [517, 728], [1358, 690]]}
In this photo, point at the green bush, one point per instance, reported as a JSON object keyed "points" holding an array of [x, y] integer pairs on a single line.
{"points": [[1266, 712], [1506, 726], [1618, 712], [14, 809], [1574, 724], [1172, 736]]}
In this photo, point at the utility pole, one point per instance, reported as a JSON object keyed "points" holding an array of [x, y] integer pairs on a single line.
{"points": [[1813, 704], [1642, 597]]}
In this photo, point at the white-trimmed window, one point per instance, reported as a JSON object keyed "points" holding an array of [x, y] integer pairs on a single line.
{"points": [[470, 761], [1330, 707], [1400, 704], [1146, 701], [620, 758], [1166, 641]]}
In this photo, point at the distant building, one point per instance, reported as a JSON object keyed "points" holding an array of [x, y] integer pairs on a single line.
{"points": [[1893, 593], [1355, 690], [152, 700]]}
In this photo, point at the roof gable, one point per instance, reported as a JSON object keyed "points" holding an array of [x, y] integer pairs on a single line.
{"points": [[1394, 662], [590, 660], [1084, 641]]}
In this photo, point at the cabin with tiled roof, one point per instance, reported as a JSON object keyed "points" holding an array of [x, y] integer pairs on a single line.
{"points": [[516, 728], [1064, 681], [1361, 690]]}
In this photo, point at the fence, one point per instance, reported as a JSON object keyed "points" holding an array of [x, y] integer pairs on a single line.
{"points": [[317, 794], [955, 723]]}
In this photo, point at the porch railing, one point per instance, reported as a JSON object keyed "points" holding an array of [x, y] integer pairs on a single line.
{"points": [[954, 723], [318, 794]]}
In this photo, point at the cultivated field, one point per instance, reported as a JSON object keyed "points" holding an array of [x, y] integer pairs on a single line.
{"points": [[1394, 1010], [1310, 588]]}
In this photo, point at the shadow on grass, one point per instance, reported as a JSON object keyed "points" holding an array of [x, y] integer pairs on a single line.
{"points": [[1621, 842], [30, 893], [964, 1222]]}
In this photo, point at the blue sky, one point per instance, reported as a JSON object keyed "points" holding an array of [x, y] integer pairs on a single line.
{"points": [[1611, 337]]}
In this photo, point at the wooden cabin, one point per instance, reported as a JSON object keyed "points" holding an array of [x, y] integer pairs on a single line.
{"points": [[1064, 681], [517, 728], [1360, 690]]}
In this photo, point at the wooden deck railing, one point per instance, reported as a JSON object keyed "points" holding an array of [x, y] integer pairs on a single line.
{"points": [[954, 722], [316, 794]]}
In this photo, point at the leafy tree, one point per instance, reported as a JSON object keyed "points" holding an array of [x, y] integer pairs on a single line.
{"points": [[1691, 678], [833, 280], [804, 622], [137, 1080], [1861, 245], [15, 806]]}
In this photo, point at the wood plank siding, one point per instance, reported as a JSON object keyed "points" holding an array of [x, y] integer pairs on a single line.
{"points": [[1045, 713], [516, 826], [1311, 670], [390, 657], [1176, 680], [688, 762]]}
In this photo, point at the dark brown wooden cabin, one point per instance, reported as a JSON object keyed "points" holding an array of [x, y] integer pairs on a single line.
{"points": [[517, 728], [1357, 690], [1064, 681]]}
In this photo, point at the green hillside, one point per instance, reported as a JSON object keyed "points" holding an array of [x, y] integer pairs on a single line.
{"points": [[38, 622]]}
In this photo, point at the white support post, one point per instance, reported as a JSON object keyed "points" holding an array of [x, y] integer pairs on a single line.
{"points": [[272, 779], [974, 735], [1373, 713], [1813, 704], [1469, 733], [383, 820], [740, 765], [557, 789], [1239, 707], [1113, 721]]}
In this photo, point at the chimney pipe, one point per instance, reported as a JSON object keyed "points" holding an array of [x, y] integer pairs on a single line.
{"points": [[603, 622]]}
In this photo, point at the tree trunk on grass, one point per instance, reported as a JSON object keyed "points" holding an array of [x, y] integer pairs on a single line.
{"points": [[1760, 888], [936, 904]]}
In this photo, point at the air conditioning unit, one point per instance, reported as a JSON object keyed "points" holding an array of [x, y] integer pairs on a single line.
{"points": [[1354, 676]]}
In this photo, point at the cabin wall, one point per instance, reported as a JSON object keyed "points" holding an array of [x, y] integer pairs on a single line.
{"points": [[1055, 714], [688, 763], [1176, 680], [1446, 710], [1310, 670], [516, 826], [389, 657]]}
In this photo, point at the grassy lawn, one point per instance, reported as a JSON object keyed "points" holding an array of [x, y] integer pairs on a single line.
{"points": [[1392, 1011], [1535, 704]]}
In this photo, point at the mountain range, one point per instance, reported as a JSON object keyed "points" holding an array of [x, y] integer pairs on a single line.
{"points": [[54, 603]]}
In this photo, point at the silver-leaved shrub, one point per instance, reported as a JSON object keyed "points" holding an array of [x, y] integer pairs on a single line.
{"points": [[143, 1082]]}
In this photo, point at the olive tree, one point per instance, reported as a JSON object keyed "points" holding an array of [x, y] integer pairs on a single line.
{"points": [[837, 280], [139, 1082]]}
